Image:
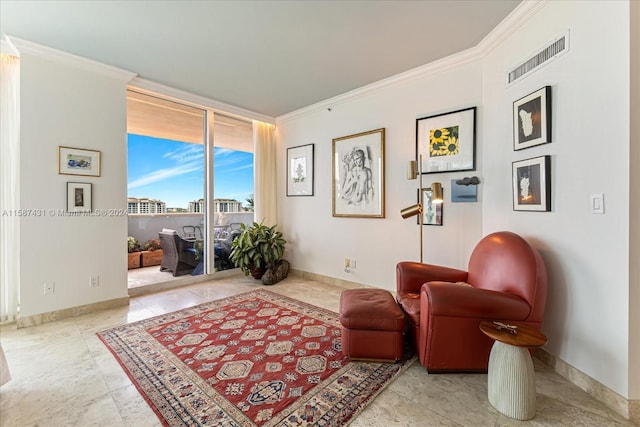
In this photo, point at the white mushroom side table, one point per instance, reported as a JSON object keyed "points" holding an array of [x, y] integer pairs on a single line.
{"points": [[511, 378]]}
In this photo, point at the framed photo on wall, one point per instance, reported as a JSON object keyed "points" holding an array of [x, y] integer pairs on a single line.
{"points": [[78, 197], [77, 161], [447, 142], [532, 119], [300, 170], [358, 175], [532, 184], [431, 212]]}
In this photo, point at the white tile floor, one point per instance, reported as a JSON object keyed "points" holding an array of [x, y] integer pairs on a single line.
{"points": [[64, 376]]}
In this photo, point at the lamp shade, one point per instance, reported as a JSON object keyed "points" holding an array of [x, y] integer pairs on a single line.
{"points": [[412, 172], [411, 211], [436, 190]]}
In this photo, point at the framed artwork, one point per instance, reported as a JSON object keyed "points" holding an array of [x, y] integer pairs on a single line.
{"points": [[532, 119], [78, 197], [358, 175], [76, 161], [431, 212], [461, 193], [300, 170], [447, 142], [532, 184]]}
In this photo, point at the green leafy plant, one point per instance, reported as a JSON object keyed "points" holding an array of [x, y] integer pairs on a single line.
{"points": [[133, 245], [257, 247]]}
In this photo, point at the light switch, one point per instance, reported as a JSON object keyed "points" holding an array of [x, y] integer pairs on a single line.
{"points": [[597, 203]]}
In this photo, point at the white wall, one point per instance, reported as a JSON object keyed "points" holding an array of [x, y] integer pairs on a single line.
{"points": [[587, 255], [70, 105], [319, 242]]}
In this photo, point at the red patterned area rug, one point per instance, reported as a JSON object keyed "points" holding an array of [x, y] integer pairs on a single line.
{"points": [[254, 359]]}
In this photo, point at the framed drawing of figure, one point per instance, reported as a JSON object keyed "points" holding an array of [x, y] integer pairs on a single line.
{"points": [[358, 175]]}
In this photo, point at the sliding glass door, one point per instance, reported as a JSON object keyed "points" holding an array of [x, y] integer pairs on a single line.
{"points": [[232, 203]]}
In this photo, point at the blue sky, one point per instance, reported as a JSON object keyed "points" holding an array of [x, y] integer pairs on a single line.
{"points": [[173, 171]]}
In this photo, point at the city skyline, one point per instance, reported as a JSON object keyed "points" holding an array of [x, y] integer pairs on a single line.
{"points": [[173, 171]]}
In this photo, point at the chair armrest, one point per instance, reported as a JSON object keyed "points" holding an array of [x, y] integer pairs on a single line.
{"points": [[184, 244], [410, 276], [453, 300]]}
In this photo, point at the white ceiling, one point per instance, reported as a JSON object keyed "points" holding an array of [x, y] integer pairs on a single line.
{"points": [[269, 57]]}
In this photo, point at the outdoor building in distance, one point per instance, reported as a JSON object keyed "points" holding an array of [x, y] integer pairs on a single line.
{"points": [[227, 205], [196, 206], [145, 206], [220, 205], [177, 210]]}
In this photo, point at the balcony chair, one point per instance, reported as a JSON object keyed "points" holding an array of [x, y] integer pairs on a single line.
{"points": [[178, 254], [506, 281], [192, 232]]}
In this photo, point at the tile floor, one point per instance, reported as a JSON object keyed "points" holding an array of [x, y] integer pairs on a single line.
{"points": [[64, 376]]}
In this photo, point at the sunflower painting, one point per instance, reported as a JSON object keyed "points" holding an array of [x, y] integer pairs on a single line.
{"points": [[447, 142], [443, 142]]}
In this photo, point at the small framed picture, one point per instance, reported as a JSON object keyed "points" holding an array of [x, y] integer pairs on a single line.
{"points": [[431, 212], [532, 119], [447, 142], [532, 184], [78, 197], [300, 170], [358, 175], [77, 161]]}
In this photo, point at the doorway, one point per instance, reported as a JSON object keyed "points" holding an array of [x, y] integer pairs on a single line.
{"points": [[185, 180]]}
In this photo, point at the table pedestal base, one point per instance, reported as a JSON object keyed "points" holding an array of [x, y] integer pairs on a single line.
{"points": [[511, 381]]}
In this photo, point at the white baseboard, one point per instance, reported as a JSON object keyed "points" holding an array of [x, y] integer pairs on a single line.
{"points": [[52, 316]]}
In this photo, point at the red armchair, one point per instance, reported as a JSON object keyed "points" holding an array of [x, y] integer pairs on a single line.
{"points": [[506, 281]]}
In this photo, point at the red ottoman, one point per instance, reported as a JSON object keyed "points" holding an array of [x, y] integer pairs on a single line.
{"points": [[372, 325]]}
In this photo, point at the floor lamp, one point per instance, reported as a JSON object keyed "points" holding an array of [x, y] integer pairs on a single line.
{"points": [[414, 171]]}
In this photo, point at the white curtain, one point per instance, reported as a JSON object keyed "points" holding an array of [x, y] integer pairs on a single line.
{"points": [[264, 155], [9, 186]]}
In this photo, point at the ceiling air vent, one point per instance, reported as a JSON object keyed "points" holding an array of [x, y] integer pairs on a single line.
{"points": [[554, 50]]}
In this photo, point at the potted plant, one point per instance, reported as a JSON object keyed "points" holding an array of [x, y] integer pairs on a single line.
{"points": [[257, 248], [152, 254], [133, 248]]}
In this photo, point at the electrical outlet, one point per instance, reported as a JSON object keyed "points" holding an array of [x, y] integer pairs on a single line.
{"points": [[347, 263], [94, 281], [49, 288]]}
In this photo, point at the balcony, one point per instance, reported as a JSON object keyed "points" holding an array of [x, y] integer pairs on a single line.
{"points": [[145, 227]]}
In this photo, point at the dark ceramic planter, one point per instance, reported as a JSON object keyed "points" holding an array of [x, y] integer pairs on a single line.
{"points": [[257, 272]]}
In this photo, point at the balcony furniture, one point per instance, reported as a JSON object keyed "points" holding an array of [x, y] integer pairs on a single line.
{"points": [[220, 232], [506, 280], [223, 248], [192, 232], [511, 380], [372, 325], [178, 254]]}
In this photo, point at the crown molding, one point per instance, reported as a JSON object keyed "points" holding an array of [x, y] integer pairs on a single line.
{"points": [[27, 47], [522, 13], [198, 101], [429, 69], [514, 21]]}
